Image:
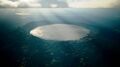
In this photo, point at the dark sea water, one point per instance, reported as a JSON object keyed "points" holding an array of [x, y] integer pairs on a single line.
{"points": [[18, 48]]}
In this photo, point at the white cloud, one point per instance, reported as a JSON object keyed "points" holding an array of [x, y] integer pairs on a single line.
{"points": [[28, 3], [19, 3], [8, 3], [77, 3], [116, 4], [93, 4]]}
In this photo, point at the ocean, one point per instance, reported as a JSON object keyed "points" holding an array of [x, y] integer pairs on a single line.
{"points": [[18, 48]]}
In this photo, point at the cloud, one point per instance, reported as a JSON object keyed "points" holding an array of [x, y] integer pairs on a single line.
{"points": [[19, 3], [8, 3], [72, 3], [116, 4], [29, 3], [92, 3]]}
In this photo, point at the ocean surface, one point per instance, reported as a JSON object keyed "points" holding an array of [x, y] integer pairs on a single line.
{"points": [[18, 48]]}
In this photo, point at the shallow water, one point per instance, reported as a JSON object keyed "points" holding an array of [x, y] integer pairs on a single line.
{"points": [[60, 32]]}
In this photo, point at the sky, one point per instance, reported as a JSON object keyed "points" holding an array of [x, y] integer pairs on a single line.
{"points": [[71, 3]]}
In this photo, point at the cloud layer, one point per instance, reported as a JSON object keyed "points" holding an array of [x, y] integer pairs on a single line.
{"points": [[19, 3], [72, 3], [116, 4]]}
